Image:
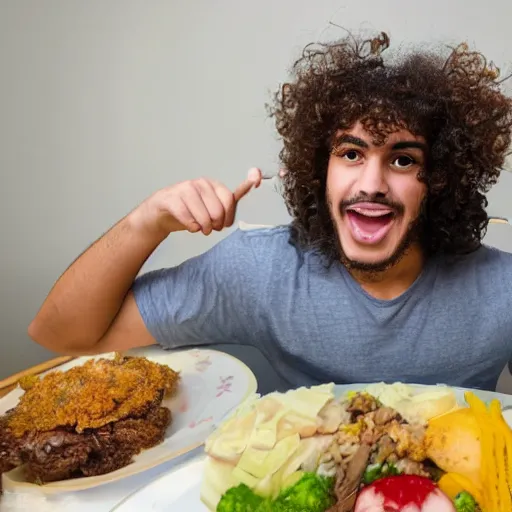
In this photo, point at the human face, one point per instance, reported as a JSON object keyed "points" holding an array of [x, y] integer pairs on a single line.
{"points": [[374, 195]]}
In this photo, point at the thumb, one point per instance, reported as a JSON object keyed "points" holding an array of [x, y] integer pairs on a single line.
{"points": [[253, 180]]}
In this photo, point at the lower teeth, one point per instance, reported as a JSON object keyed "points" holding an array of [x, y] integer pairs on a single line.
{"points": [[364, 236]]}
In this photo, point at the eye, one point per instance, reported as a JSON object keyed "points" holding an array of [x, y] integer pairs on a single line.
{"points": [[351, 155], [403, 162]]}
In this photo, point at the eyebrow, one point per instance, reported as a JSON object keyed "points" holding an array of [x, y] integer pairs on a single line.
{"points": [[407, 144], [356, 141], [350, 139]]}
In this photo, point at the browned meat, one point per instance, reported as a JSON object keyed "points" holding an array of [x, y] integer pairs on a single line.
{"points": [[348, 481], [62, 454], [90, 420], [410, 440], [384, 415], [97, 451], [411, 467], [378, 434], [375, 424], [92, 395], [385, 447], [57, 455], [372, 433], [143, 433], [362, 403], [9, 449]]}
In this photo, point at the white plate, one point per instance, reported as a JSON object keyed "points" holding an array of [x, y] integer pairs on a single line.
{"points": [[177, 490], [212, 385], [180, 488]]}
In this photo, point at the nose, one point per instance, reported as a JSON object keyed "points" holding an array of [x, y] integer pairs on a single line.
{"points": [[373, 178]]}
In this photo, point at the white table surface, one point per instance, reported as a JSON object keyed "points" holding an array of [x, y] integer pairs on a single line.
{"points": [[98, 499]]}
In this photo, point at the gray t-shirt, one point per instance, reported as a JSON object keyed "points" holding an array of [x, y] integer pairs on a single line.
{"points": [[316, 324]]}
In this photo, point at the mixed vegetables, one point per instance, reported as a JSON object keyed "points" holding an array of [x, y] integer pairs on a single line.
{"points": [[307, 453], [376, 471], [312, 493]]}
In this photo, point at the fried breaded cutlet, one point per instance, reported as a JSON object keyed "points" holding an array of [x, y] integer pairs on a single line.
{"points": [[92, 395], [89, 420]]}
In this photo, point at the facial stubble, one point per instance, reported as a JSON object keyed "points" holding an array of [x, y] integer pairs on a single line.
{"points": [[414, 234]]}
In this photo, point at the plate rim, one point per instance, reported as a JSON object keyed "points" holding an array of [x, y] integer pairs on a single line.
{"points": [[84, 483], [202, 457]]}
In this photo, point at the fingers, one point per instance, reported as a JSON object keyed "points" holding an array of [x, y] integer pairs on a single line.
{"points": [[211, 204], [253, 180], [183, 215], [211, 195], [196, 206], [203, 205]]}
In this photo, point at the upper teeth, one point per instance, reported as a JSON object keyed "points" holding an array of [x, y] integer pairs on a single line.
{"points": [[371, 213]]}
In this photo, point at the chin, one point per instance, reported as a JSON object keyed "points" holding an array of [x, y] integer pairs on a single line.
{"points": [[371, 258], [366, 263]]}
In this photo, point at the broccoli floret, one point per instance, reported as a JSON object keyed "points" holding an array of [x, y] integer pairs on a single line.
{"points": [[312, 493], [464, 502], [375, 471], [372, 473], [266, 506], [239, 499]]}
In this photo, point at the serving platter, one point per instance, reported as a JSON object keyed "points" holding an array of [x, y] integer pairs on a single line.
{"points": [[179, 489], [212, 384]]}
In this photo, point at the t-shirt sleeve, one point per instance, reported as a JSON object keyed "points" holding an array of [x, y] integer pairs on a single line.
{"points": [[205, 300], [499, 280]]}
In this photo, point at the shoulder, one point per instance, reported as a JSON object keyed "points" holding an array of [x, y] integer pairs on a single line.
{"points": [[258, 243], [490, 257], [244, 252], [265, 234], [489, 262]]}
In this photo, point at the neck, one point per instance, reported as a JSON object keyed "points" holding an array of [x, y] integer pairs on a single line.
{"points": [[394, 281]]}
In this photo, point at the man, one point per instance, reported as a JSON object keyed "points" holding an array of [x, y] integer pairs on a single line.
{"points": [[380, 276]]}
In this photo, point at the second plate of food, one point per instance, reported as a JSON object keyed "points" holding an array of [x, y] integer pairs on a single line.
{"points": [[121, 408], [196, 486]]}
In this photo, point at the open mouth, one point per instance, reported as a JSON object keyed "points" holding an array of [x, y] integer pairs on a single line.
{"points": [[370, 222]]}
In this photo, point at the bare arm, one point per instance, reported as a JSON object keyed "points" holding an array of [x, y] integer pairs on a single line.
{"points": [[83, 303], [91, 309]]}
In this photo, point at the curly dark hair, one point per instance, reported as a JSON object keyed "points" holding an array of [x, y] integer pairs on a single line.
{"points": [[455, 102]]}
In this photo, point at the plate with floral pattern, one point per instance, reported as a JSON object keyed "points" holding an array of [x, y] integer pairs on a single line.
{"points": [[212, 385]]}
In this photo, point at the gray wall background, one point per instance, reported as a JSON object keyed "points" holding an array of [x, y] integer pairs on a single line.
{"points": [[104, 101]]}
